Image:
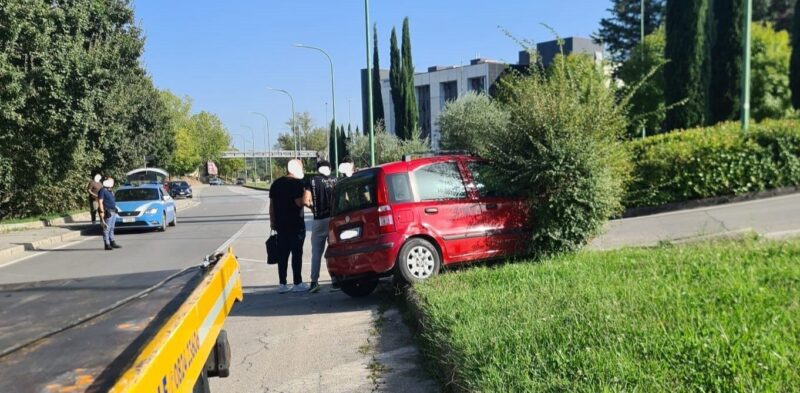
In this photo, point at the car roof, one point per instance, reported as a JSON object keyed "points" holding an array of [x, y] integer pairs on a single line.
{"points": [[148, 185], [402, 166]]}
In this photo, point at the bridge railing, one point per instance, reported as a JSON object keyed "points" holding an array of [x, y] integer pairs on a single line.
{"points": [[272, 154]]}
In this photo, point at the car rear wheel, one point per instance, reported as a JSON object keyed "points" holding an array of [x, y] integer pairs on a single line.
{"points": [[163, 222], [359, 288], [418, 260]]}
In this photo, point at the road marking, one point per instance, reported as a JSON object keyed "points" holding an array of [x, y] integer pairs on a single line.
{"points": [[37, 253]]}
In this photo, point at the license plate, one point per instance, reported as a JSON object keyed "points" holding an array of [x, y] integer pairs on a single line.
{"points": [[349, 234], [128, 219]]}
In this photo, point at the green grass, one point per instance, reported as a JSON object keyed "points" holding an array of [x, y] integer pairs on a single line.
{"points": [[721, 317], [259, 185], [40, 217]]}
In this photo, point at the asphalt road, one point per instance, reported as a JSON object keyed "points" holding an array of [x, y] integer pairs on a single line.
{"points": [[296, 342]]}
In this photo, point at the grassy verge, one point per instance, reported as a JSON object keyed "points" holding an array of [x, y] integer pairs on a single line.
{"points": [[710, 317], [40, 217], [258, 185]]}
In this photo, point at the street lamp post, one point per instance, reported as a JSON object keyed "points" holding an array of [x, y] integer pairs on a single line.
{"points": [[333, 106], [297, 136], [266, 144], [369, 89], [748, 12], [253, 146]]}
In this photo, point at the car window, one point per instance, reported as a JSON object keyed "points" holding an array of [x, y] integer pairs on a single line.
{"points": [[439, 181], [399, 188], [137, 194], [355, 193], [487, 184]]}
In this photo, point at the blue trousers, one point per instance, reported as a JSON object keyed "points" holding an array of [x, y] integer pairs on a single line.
{"points": [[108, 231]]}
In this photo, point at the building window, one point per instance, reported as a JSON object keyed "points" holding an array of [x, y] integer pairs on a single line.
{"points": [[477, 84], [424, 108], [449, 92]]}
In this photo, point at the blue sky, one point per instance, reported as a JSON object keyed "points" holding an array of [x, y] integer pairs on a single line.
{"points": [[223, 54]]}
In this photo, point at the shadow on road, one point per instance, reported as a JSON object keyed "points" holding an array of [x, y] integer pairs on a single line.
{"points": [[265, 301]]}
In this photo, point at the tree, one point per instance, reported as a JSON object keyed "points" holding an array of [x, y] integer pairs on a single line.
{"points": [[212, 137], [396, 83], [687, 72], [771, 95], [187, 149], [408, 91], [795, 62], [644, 72], [377, 100], [779, 12], [465, 121], [622, 31], [331, 153], [303, 126], [726, 60], [388, 147]]}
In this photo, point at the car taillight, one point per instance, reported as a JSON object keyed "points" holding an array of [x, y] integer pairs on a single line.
{"points": [[385, 219]]}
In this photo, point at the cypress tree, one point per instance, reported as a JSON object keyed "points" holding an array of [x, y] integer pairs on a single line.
{"points": [[343, 143], [794, 70], [686, 74], [726, 60], [410, 110], [377, 100], [331, 152], [395, 83]]}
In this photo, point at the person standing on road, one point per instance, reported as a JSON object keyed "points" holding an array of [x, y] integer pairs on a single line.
{"points": [[93, 188], [321, 187], [288, 197], [108, 211]]}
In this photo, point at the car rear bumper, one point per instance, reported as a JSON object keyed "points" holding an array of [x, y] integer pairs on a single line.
{"points": [[354, 259]]}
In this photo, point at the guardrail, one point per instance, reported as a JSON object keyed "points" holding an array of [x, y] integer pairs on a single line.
{"points": [[271, 154]]}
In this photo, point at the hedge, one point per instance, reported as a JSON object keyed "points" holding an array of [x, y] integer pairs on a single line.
{"points": [[714, 161]]}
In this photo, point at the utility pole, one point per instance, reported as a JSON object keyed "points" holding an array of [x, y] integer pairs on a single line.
{"points": [[369, 89], [253, 146], [641, 45], [294, 128], [266, 144], [748, 12]]}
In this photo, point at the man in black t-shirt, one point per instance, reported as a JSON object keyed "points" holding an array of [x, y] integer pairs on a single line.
{"points": [[321, 187], [288, 197]]}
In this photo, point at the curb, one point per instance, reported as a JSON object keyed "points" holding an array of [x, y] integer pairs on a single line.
{"points": [[256, 188]]}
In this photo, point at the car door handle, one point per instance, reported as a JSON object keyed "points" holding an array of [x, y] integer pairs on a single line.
{"points": [[431, 210], [491, 206]]}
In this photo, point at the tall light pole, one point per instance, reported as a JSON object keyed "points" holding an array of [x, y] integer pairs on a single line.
{"points": [[266, 143], [252, 139], [748, 12], [369, 89], [641, 44], [244, 146], [333, 107], [297, 136]]}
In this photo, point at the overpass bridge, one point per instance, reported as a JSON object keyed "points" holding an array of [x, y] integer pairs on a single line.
{"points": [[270, 154]]}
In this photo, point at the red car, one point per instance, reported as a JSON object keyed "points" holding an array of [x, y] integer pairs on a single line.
{"points": [[412, 217]]}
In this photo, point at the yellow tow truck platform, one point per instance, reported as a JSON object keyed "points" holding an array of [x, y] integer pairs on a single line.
{"points": [[152, 332]]}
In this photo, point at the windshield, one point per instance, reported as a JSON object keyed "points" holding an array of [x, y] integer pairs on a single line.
{"points": [[136, 194], [179, 184]]}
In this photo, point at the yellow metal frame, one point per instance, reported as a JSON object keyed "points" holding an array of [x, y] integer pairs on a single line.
{"points": [[175, 357]]}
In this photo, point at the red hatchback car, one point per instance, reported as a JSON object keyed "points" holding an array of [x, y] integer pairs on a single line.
{"points": [[410, 218]]}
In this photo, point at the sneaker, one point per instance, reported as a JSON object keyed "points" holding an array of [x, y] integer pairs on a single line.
{"points": [[283, 288], [314, 288], [302, 287]]}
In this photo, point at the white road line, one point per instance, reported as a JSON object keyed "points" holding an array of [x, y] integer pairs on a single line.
{"points": [[37, 253]]}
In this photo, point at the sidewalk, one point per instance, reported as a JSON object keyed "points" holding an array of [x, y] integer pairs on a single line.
{"points": [[45, 234]]}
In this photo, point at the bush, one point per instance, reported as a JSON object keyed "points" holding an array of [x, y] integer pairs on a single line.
{"points": [[388, 148], [771, 95], [464, 122], [562, 150], [702, 318], [714, 161]]}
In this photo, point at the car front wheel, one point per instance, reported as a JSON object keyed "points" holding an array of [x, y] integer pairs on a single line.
{"points": [[418, 260], [163, 222], [174, 219]]}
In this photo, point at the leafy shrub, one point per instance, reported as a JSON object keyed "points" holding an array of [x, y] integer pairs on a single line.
{"points": [[562, 150], [465, 121], [771, 95], [714, 161], [388, 147]]}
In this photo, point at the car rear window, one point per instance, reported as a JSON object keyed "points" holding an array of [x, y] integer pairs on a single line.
{"points": [[399, 188], [355, 193], [136, 194]]}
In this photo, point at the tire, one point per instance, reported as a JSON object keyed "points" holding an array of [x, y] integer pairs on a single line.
{"points": [[418, 261], [174, 218], [359, 288], [163, 222]]}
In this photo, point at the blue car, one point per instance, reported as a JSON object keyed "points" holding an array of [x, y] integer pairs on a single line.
{"points": [[145, 206]]}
